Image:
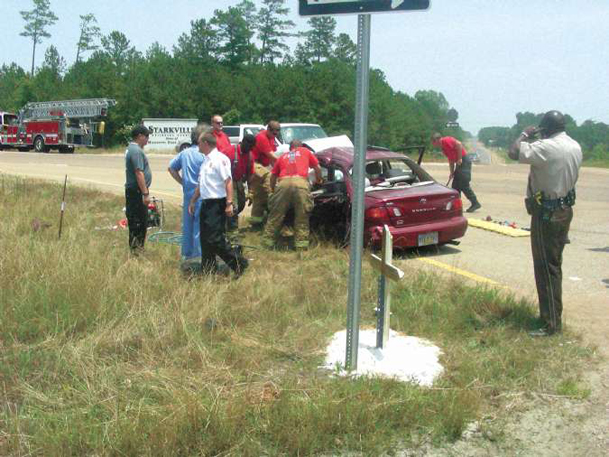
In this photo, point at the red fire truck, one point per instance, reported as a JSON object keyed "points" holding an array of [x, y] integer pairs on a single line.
{"points": [[60, 125]]}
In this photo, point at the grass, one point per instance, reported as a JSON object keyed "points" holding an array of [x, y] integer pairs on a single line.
{"points": [[105, 354]]}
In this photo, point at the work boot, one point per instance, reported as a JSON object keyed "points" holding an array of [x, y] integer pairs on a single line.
{"points": [[475, 206]]}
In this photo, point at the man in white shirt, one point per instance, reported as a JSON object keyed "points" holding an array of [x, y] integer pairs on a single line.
{"points": [[216, 192]]}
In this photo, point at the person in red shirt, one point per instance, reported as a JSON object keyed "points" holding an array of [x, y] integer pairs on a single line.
{"points": [[222, 141], [292, 171], [460, 167], [242, 169], [264, 157]]}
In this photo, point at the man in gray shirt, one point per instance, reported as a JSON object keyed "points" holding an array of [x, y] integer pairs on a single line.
{"points": [[138, 180], [555, 160]]}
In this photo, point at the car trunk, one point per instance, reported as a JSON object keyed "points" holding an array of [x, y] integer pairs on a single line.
{"points": [[414, 205]]}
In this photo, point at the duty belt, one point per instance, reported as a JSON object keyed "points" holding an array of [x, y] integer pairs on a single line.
{"points": [[548, 206]]}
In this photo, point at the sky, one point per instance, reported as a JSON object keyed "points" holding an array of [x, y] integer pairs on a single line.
{"points": [[490, 58]]}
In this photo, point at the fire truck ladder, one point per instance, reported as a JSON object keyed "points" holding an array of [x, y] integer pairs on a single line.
{"points": [[90, 107]]}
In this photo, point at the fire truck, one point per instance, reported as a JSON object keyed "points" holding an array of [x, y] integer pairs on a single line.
{"points": [[60, 125]]}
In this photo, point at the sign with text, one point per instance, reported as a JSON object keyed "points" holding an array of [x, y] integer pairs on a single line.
{"points": [[322, 7]]}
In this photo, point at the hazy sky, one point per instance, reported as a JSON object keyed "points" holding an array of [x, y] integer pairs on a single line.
{"points": [[490, 58]]}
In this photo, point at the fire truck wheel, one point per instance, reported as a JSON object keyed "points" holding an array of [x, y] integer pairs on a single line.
{"points": [[39, 145], [66, 149]]}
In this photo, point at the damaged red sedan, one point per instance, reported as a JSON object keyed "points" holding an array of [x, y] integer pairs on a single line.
{"points": [[399, 193]]}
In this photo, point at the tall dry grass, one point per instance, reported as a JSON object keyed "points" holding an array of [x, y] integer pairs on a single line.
{"points": [[105, 354]]}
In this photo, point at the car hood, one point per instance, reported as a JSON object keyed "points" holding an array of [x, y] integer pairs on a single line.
{"points": [[319, 144]]}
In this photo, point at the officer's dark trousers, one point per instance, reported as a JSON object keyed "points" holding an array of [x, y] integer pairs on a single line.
{"points": [[137, 218], [548, 238], [213, 238], [462, 178]]}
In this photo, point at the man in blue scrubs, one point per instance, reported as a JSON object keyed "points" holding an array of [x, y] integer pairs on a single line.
{"points": [[189, 163]]}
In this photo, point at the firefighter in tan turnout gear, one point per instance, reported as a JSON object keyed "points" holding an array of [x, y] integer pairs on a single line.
{"points": [[264, 159], [291, 170]]}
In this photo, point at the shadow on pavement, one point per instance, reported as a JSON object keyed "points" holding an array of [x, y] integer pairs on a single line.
{"points": [[426, 251], [606, 249]]}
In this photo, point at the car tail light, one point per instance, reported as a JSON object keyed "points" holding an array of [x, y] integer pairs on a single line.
{"points": [[455, 205], [378, 213]]}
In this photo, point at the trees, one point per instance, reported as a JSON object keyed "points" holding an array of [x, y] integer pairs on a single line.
{"points": [[234, 36], [273, 28], [320, 39], [89, 31], [345, 49], [36, 22], [200, 45]]}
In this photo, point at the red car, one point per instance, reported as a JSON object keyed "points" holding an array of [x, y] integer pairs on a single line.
{"points": [[399, 193]]}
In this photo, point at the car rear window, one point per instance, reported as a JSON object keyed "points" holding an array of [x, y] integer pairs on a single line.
{"points": [[251, 130], [231, 130], [302, 133], [396, 170]]}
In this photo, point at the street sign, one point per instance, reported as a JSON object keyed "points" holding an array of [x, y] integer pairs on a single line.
{"points": [[322, 7]]}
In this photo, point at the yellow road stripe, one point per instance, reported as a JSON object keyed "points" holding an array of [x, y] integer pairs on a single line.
{"points": [[458, 271]]}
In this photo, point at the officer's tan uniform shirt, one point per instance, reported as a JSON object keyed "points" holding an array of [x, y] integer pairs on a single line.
{"points": [[555, 163]]}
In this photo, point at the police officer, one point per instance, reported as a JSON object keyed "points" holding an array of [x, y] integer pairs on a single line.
{"points": [[292, 171], [460, 166], [555, 160], [263, 156], [185, 168]]}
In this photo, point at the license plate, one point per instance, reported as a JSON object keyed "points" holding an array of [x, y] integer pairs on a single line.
{"points": [[426, 239]]}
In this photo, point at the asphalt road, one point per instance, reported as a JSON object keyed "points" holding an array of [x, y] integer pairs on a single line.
{"points": [[482, 256]]}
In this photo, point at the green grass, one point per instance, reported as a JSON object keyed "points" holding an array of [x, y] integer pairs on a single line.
{"points": [[105, 354]]}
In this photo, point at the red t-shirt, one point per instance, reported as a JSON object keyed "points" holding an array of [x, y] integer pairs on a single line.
{"points": [[222, 141], [239, 169], [449, 148], [295, 163], [264, 143]]}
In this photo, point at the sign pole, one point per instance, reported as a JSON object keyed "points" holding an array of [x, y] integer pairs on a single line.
{"points": [[357, 210]]}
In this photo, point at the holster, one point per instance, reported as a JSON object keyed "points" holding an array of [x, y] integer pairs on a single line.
{"points": [[529, 204]]}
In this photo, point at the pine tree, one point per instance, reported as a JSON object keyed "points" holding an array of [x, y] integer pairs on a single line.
{"points": [[36, 22]]}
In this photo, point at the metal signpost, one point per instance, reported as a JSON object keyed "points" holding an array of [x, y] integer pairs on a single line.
{"points": [[388, 271], [324, 7]]}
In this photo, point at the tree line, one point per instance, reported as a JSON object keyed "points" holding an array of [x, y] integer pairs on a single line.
{"points": [[591, 135], [238, 63]]}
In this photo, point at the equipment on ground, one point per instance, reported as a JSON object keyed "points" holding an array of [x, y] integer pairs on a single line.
{"points": [[60, 125]]}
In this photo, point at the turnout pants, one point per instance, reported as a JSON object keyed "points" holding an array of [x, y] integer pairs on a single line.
{"points": [[213, 238], [261, 189], [548, 239], [462, 179], [291, 192], [232, 223], [137, 218]]}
